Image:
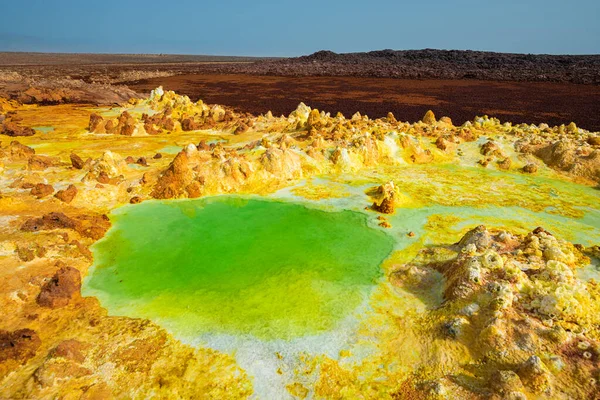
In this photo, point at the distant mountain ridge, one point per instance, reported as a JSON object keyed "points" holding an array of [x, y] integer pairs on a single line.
{"points": [[449, 55], [439, 64]]}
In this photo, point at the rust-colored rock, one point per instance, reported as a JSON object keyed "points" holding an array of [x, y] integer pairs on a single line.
{"points": [[107, 180], [42, 190], [151, 129], [565, 155], [203, 145], [135, 200], [67, 195], [125, 125], [40, 163], [173, 181], [20, 151], [96, 123], [188, 124], [539, 230], [142, 161], [77, 161], [429, 118], [194, 190], [490, 148], [386, 206], [29, 251], [505, 164], [530, 168], [59, 290], [110, 126], [19, 345], [71, 349], [314, 119], [444, 144], [386, 195], [10, 128], [25, 253], [242, 128], [90, 226]]}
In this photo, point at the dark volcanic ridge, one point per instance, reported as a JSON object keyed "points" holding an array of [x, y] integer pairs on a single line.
{"points": [[435, 64]]}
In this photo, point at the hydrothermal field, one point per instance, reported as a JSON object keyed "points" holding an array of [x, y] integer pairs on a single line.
{"points": [[169, 248]]}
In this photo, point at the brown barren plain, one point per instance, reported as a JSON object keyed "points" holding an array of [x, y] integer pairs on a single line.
{"points": [[408, 99]]}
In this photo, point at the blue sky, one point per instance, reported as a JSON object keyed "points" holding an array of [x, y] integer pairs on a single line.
{"points": [[290, 28]]}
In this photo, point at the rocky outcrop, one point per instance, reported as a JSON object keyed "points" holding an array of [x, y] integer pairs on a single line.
{"points": [[125, 124], [175, 179], [42, 190], [10, 128], [516, 301], [429, 118], [67, 195], [76, 161], [385, 195], [161, 122], [569, 154], [61, 288], [96, 124]]}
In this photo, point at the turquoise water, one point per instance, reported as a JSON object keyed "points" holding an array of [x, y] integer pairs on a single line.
{"points": [[44, 129], [170, 149]]}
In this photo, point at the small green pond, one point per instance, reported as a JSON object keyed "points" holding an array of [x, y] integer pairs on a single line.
{"points": [[232, 265]]}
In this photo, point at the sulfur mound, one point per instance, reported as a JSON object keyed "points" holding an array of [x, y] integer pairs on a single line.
{"points": [[516, 302]]}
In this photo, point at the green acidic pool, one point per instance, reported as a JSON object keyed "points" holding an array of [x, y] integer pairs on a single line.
{"points": [[229, 265]]}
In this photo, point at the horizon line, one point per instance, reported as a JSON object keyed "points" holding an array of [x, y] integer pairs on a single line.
{"points": [[290, 56]]}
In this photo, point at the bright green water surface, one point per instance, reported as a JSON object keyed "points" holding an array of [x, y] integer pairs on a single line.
{"points": [[230, 265]]}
